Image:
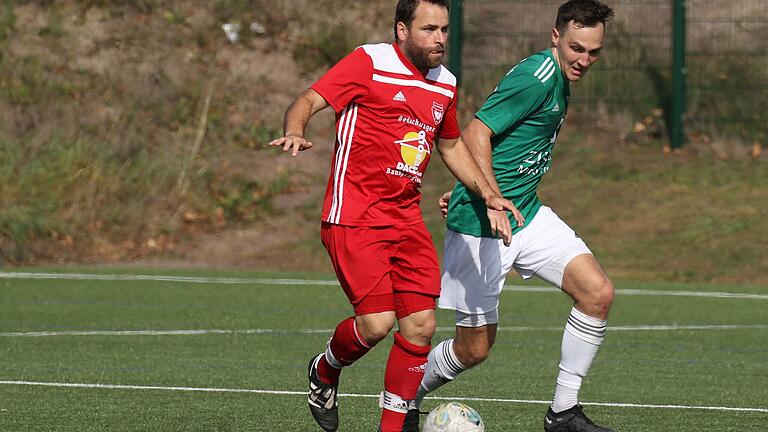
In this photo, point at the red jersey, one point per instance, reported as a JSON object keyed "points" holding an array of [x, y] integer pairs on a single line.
{"points": [[388, 119]]}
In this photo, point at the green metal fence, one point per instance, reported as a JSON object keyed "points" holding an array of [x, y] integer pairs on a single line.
{"points": [[726, 58]]}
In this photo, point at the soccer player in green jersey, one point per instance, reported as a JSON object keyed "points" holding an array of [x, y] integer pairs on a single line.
{"points": [[512, 137]]}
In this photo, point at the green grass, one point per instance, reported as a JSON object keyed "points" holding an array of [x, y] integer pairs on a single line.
{"points": [[713, 367]]}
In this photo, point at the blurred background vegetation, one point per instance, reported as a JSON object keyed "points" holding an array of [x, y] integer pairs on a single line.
{"points": [[727, 71], [135, 132], [125, 122]]}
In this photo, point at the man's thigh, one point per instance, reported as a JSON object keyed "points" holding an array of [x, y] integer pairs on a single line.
{"points": [[361, 258], [414, 266]]}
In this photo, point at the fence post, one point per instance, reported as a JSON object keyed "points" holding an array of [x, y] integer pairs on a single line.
{"points": [[677, 116], [456, 38]]}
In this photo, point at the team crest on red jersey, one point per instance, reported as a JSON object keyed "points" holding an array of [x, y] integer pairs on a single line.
{"points": [[437, 112]]}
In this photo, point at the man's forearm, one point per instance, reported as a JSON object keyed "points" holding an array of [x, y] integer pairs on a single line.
{"points": [[460, 162], [480, 149], [303, 108], [297, 116]]}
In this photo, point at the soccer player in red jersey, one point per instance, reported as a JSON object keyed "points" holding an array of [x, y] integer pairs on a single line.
{"points": [[395, 104]]}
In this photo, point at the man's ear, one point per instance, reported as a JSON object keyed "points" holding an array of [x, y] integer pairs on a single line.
{"points": [[402, 31], [555, 37]]}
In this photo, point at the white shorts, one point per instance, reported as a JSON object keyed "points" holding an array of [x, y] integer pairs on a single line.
{"points": [[474, 268]]}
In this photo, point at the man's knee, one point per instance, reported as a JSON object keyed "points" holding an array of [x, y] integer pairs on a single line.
{"points": [[375, 327], [605, 293], [589, 286], [472, 345], [418, 328], [598, 297], [425, 328], [472, 354]]}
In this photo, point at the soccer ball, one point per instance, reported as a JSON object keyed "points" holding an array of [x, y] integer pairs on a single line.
{"points": [[453, 417]]}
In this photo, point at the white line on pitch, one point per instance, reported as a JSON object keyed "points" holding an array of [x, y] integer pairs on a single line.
{"points": [[312, 331], [267, 281], [164, 278], [303, 393], [158, 332]]}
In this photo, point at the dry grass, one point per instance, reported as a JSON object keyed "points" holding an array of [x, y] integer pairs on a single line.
{"points": [[114, 149]]}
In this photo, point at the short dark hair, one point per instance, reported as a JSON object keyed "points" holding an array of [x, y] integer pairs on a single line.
{"points": [[406, 8], [586, 13]]}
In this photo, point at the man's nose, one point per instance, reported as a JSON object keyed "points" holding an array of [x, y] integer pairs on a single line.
{"points": [[441, 38]]}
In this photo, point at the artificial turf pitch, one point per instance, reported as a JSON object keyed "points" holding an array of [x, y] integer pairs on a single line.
{"points": [[228, 352]]}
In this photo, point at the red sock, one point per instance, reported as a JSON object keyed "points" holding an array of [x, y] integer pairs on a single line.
{"points": [[345, 348], [405, 368]]}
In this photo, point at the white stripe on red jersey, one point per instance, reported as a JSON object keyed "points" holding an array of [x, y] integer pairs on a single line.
{"points": [[345, 135]]}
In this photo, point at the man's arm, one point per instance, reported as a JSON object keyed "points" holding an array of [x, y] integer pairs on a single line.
{"points": [[296, 118], [477, 138], [459, 160], [461, 163]]}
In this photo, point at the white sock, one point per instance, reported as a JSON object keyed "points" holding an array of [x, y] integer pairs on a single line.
{"points": [[442, 367], [581, 339]]}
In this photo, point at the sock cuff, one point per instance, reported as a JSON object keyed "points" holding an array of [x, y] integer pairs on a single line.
{"points": [[359, 338], [408, 347], [448, 355], [581, 316], [585, 327]]}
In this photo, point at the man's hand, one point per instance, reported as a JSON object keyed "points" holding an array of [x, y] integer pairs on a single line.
{"points": [[296, 119], [500, 226], [294, 143], [497, 216], [496, 202], [443, 203]]}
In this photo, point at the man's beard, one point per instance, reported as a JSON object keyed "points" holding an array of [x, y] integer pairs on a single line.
{"points": [[420, 56]]}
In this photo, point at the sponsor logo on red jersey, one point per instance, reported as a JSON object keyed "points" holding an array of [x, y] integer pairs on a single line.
{"points": [[414, 149]]}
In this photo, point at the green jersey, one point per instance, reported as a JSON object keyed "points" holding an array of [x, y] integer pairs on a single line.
{"points": [[525, 113]]}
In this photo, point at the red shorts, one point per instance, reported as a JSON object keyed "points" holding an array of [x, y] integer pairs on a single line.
{"points": [[383, 269]]}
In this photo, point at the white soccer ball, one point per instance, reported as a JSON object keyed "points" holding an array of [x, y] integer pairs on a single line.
{"points": [[453, 417]]}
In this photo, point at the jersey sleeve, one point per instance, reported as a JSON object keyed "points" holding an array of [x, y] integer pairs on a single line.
{"points": [[516, 97], [449, 129], [346, 81]]}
